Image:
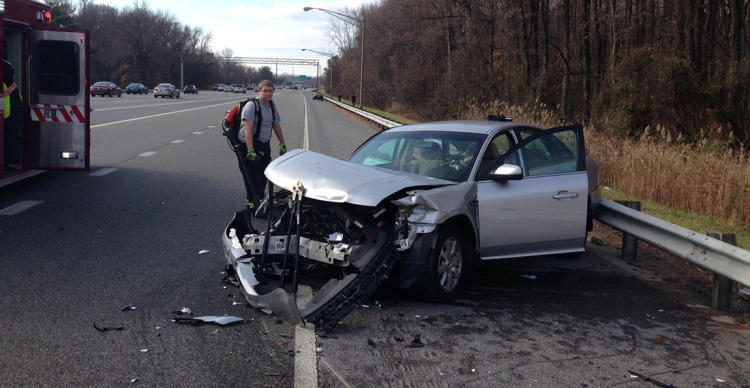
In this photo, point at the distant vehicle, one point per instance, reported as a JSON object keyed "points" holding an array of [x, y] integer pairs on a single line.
{"points": [[228, 88], [136, 88], [221, 88], [239, 88], [318, 96], [105, 88], [216, 87], [166, 90], [190, 89]]}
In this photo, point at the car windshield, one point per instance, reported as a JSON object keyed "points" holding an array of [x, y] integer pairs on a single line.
{"points": [[436, 154]]}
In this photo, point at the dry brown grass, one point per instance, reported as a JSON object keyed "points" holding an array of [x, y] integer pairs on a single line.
{"points": [[708, 179]]}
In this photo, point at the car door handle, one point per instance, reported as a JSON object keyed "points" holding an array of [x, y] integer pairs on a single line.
{"points": [[562, 195]]}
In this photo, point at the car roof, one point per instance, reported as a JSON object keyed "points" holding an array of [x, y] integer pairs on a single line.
{"points": [[467, 126]]}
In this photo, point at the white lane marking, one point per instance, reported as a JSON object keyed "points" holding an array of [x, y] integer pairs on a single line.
{"points": [[103, 172], [305, 143], [152, 105], [178, 141], [18, 207], [305, 364], [198, 133], [157, 115], [148, 153]]}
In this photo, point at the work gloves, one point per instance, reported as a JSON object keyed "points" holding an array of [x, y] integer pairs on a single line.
{"points": [[253, 156]]}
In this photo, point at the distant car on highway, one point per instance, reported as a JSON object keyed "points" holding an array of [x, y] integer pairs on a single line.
{"points": [[318, 96], [136, 88], [105, 88], [221, 87], [239, 88], [166, 90], [190, 89]]}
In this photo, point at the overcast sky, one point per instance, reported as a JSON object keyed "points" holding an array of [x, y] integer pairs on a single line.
{"points": [[278, 29]]}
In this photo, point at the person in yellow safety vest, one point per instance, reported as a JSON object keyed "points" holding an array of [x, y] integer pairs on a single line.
{"points": [[12, 101]]}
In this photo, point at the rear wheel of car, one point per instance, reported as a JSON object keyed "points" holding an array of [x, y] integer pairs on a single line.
{"points": [[447, 267]]}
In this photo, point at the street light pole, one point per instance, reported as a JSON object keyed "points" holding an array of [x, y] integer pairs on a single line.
{"points": [[348, 19], [330, 70]]}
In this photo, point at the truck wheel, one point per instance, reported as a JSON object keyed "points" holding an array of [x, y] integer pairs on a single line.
{"points": [[447, 267]]}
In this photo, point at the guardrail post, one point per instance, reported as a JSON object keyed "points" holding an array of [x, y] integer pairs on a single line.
{"points": [[630, 242], [722, 287]]}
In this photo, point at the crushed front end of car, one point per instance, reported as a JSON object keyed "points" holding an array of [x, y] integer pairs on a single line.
{"points": [[326, 244]]}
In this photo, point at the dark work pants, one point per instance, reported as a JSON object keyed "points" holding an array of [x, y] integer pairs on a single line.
{"points": [[255, 169]]}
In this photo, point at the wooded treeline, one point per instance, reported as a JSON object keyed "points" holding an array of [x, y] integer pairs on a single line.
{"points": [[138, 44], [622, 65]]}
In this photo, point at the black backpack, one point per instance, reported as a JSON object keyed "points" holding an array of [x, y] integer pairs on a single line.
{"points": [[234, 127]]}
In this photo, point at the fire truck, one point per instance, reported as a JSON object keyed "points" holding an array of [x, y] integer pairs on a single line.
{"points": [[50, 128]]}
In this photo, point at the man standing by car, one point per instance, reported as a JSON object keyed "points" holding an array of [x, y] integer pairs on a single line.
{"points": [[257, 140]]}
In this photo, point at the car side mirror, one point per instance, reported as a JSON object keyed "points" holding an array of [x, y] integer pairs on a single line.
{"points": [[507, 172]]}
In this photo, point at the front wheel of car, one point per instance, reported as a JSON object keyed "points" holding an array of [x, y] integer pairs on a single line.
{"points": [[447, 267]]}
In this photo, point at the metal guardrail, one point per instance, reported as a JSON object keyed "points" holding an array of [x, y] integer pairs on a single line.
{"points": [[704, 251], [383, 123]]}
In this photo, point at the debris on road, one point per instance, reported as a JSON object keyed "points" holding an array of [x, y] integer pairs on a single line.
{"points": [[218, 320], [128, 308], [416, 342], [108, 328], [203, 251]]}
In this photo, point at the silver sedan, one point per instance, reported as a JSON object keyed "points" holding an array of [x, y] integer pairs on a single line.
{"points": [[430, 199], [166, 90]]}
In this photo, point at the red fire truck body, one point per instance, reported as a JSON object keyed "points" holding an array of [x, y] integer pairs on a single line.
{"points": [[51, 129]]}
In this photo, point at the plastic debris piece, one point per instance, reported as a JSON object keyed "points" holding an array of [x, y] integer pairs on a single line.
{"points": [[203, 251], [215, 332], [531, 277], [133, 380], [183, 310], [648, 379], [127, 308], [718, 380], [144, 350], [221, 321], [108, 328]]}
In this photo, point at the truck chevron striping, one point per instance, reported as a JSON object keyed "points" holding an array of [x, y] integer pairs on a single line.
{"points": [[57, 113]]}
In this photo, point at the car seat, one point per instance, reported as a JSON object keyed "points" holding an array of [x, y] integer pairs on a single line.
{"points": [[491, 155], [430, 157]]}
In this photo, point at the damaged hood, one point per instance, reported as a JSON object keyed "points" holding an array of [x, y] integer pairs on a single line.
{"points": [[332, 180]]}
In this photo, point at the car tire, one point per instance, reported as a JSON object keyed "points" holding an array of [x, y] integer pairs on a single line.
{"points": [[447, 267]]}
